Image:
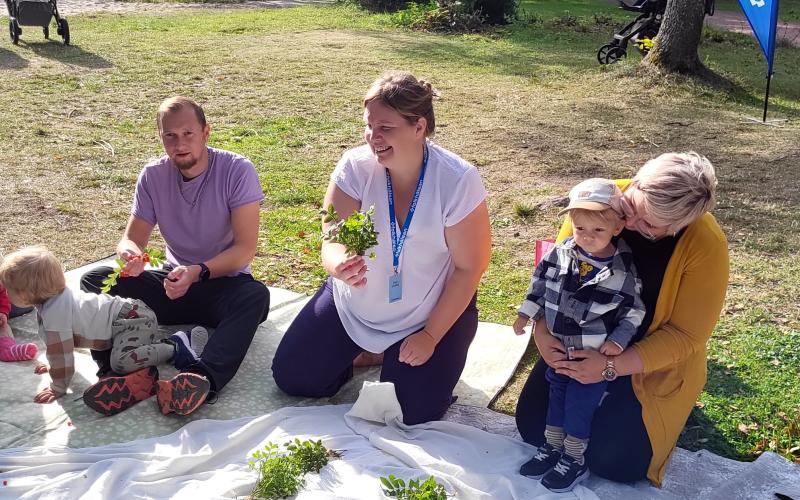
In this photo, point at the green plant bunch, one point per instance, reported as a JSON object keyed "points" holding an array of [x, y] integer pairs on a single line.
{"points": [[415, 490], [150, 256], [357, 232], [281, 474]]}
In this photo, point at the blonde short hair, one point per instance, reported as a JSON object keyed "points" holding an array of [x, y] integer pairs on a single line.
{"points": [[404, 93], [176, 103], [677, 188], [608, 215], [34, 273]]}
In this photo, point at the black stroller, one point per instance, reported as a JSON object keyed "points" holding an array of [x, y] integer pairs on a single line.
{"points": [[641, 30], [35, 13]]}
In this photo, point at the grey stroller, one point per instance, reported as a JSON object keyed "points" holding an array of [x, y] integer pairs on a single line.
{"points": [[35, 13]]}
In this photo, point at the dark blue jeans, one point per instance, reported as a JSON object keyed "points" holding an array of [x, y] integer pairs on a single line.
{"points": [[619, 448], [234, 306], [572, 404], [315, 358]]}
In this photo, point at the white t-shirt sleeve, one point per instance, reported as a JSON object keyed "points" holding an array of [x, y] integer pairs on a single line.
{"points": [[464, 198], [348, 177]]}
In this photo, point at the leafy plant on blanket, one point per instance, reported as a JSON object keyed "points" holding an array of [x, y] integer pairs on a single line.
{"points": [[280, 473], [357, 232], [415, 490], [150, 256]]}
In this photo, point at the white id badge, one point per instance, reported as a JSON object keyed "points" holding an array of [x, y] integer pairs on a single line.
{"points": [[395, 288]]}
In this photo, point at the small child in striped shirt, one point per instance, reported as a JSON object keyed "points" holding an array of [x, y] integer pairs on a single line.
{"points": [[70, 319]]}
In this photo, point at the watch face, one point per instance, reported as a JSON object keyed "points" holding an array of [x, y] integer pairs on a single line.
{"points": [[609, 374]]}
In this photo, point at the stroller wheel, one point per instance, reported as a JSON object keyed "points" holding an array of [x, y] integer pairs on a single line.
{"points": [[14, 30], [46, 31], [63, 30], [609, 54]]}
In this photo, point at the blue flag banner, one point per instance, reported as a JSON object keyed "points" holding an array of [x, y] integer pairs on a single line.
{"points": [[763, 18]]}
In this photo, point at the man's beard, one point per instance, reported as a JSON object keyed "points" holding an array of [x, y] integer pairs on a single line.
{"points": [[185, 164]]}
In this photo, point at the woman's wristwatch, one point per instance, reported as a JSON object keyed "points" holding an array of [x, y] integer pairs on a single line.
{"points": [[610, 372]]}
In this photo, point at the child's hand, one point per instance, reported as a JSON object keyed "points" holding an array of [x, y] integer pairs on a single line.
{"points": [[610, 348], [40, 369], [3, 320], [47, 395], [520, 324]]}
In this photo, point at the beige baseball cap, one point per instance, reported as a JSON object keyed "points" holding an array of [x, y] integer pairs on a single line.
{"points": [[594, 194]]}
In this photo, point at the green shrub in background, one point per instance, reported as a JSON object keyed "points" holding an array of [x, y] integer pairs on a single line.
{"points": [[382, 5], [455, 15], [495, 11]]}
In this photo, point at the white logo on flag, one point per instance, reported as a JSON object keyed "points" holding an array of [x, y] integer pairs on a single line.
{"points": [[757, 3]]}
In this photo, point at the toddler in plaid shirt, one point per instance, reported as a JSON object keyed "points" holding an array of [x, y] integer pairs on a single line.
{"points": [[586, 290]]}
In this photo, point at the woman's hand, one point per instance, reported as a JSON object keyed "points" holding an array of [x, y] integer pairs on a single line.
{"points": [[47, 395], [550, 348], [417, 348], [351, 270], [586, 366], [519, 325]]}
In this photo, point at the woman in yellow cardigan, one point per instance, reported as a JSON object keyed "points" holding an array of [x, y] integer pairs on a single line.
{"points": [[681, 255]]}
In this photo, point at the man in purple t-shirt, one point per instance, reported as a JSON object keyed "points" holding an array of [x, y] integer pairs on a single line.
{"points": [[206, 204]]}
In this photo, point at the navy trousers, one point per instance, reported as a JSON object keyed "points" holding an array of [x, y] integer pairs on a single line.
{"points": [[315, 358], [572, 404], [234, 306], [619, 448]]}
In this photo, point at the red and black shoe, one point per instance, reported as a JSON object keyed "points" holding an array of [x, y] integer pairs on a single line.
{"points": [[111, 395], [183, 394]]}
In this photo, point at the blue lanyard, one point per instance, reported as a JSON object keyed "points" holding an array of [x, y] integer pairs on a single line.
{"points": [[397, 244]]}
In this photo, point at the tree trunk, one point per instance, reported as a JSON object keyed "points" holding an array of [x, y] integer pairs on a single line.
{"points": [[675, 47]]}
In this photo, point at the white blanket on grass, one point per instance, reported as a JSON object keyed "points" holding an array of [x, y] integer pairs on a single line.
{"points": [[492, 359], [207, 459]]}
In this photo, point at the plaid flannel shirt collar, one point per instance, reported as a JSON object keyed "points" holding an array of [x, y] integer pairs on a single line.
{"points": [[564, 256]]}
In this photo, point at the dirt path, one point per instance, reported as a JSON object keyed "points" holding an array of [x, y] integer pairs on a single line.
{"points": [[735, 21], [73, 7]]}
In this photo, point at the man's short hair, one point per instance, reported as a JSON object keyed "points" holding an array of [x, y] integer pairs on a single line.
{"points": [[176, 103]]}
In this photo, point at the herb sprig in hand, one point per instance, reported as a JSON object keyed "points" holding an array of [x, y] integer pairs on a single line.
{"points": [[357, 232], [150, 256]]}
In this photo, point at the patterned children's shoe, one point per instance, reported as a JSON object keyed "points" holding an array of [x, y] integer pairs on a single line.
{"points": [[565, 475], [111, 395], [183, 394], [545, 458]]}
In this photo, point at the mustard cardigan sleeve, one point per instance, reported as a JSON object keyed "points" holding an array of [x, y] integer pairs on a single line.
{"points": [[697, 286]]}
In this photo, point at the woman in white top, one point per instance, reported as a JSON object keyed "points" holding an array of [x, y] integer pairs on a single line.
{"points": [[414, 304]]}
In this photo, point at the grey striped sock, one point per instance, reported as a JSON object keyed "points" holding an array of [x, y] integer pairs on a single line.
{"points": [[554, 436], [575, 448]]}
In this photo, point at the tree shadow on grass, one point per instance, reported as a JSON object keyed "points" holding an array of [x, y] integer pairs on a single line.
{"points": [[11, 60], [700, 432], [67, 54]]}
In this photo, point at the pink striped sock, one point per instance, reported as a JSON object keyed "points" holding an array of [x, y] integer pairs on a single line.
{"points": [[11, 351]]}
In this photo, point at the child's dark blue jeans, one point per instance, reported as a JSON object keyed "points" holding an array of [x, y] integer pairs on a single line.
{"points": [[572, 404]]}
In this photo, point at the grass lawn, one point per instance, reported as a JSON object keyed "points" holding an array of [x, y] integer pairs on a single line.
{"points": [[528, 105], [789, 9]]}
